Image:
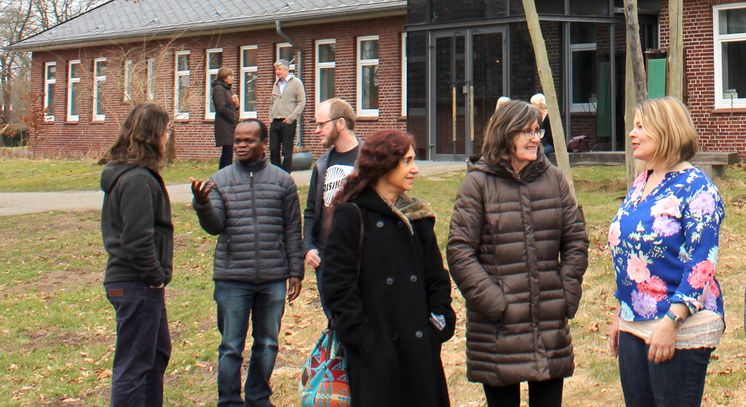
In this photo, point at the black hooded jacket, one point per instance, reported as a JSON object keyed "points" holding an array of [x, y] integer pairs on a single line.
{"points": [[136, 225]]}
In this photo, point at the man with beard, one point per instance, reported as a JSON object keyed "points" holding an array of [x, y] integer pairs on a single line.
{"points": [[335, 122]]}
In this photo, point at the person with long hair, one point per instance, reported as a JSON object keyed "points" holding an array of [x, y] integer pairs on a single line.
{"points": [[517, 250], [138, 237], [664, 247], [389, 295]]}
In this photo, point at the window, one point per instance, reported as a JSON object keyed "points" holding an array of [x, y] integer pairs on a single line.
{"points": [[285, 51], [127, 80], [150, 77], [730, 55], [325, 64], [50, 79], [214, 62], [99, 82], [73, 90], [583, 67], [404, 74], [367, 76], [248, 80], [181, 85]]}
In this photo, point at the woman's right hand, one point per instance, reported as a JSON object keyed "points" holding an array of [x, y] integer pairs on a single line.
{"points": [[614, 335]]}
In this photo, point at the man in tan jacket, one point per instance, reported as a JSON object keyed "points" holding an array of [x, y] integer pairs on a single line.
{"points": [[288, 101]]}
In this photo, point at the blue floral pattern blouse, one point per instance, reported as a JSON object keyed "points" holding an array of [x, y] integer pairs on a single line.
{"points": [[665, 246]]}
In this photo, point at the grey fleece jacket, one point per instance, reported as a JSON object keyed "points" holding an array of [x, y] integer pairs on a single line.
{"points": [[255, 211]]}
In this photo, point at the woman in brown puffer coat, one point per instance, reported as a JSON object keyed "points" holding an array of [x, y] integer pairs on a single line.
{"points": [[517, 251]]}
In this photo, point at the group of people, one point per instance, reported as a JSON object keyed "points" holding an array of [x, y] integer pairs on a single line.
{"points": [[517, 250]]}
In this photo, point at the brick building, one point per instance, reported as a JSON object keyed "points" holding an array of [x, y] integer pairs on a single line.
{"points": [[433, 67]]}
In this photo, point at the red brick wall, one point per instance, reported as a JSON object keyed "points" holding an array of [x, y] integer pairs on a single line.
{"points": [[719, 129], [194, 137]]}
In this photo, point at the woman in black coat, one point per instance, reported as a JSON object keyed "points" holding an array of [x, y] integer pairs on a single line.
{"points": [[225, 114], [393, 317]]}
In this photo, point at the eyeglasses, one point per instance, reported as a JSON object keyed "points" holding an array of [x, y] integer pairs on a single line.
{"points": [[322, 124], [538, 133]]}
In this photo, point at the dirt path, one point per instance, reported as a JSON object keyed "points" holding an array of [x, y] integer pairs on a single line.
{"points": [[17, 203]]}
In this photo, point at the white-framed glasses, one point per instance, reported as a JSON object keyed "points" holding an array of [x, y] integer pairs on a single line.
{"points": [[538, 133]]}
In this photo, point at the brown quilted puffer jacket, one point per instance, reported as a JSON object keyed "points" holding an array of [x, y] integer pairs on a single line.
{"points": [[517, 250]]}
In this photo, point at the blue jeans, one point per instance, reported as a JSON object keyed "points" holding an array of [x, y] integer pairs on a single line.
{"points": [[678, 382], [236, 301], [143, 344]]}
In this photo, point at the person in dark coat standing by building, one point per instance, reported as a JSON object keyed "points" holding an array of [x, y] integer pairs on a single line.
{"points": [[393, 314], [335, 124], [288, 102], [253, 207], [539, 101], [225, 114], [138, 237], [517, 250]]}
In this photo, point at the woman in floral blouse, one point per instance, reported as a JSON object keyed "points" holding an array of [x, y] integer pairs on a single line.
{"points": [[664, 244]]}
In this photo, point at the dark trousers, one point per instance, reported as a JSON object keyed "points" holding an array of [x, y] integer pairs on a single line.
{"points": [[265, 304], [319, 272], [226, 156], [281, 135], [540, 394], [143, 345], [678, 382]]}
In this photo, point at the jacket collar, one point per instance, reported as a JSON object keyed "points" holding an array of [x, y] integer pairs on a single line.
{"points": [[406, 209], [503, 169], [255, 166]]}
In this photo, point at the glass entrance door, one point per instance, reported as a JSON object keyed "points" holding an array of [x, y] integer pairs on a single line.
{"points": [[467, 79]]}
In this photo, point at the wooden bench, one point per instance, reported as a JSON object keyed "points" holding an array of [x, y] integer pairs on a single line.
{"points": [[713, 163]]}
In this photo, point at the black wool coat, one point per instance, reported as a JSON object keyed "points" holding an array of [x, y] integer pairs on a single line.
{"points": [[382, 315], [225, 113]]}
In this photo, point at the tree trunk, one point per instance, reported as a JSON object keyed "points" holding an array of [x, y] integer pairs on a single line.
{"points": [[676, 49], [636, 81], [547, 85]]}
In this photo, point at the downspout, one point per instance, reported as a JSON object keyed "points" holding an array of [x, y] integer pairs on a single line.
{"points": [[299, 52]]}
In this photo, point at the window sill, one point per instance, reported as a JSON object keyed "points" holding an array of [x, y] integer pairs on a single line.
{"points": [[72, 122], [367, 118], [208, 120], [728, 110], [402, 118]]}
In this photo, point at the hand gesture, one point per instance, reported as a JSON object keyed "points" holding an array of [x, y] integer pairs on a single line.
{"points": [[201, 190], [294, 285], [234, 100]]}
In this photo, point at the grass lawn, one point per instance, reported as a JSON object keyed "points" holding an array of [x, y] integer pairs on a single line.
{"points": [[23, 175], [57, 328]]}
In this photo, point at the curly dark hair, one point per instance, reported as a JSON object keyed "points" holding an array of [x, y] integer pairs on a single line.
{"points": [[381, 152]]}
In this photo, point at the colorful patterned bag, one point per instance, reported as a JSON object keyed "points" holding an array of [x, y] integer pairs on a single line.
{"points": [[323, 381]]}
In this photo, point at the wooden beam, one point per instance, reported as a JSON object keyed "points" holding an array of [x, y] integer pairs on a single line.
{"points": [[676, 49], [636, 81], [547, 86]]}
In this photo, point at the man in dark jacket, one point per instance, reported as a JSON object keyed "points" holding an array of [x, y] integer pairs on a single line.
{"points": [[335, 122], [225, 114], [253, 207]]}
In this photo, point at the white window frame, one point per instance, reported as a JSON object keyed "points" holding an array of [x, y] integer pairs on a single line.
{"points": [[47, 82], [98, 80], [70, 80], [278, 46], [359, 82], [718, 41], [580, 107], [150, 77], [127, 92], [404, 74], [323, 65], [177, 74], [246, 114], [208, 83]]}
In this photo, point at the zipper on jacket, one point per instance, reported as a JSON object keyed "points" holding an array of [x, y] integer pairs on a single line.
{"points": [[256, 226]]}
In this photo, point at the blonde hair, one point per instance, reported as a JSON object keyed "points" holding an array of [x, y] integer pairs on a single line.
{"points": [[503, 126], [340, 109], [224, 72], [502, 101], [667, 121]]}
